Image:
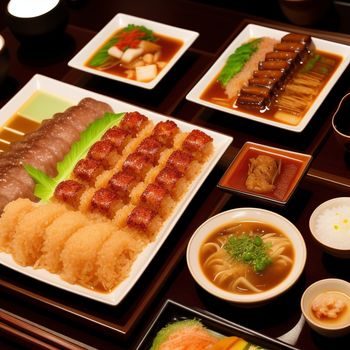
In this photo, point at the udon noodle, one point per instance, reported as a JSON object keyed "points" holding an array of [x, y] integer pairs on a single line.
{"points": [[240, 275]]}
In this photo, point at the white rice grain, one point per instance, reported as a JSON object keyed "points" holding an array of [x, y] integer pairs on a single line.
{"points": [[333, 227]]}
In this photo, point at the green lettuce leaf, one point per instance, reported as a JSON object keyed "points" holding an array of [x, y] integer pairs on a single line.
{"points": [[45, 185], [237, 60]]}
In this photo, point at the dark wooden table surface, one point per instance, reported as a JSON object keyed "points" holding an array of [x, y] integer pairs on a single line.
{"points": [[35, 315]]}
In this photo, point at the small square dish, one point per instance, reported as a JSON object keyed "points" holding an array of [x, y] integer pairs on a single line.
{"points": [[265, 172], [134, 50], [173, 316], [291, 75]]}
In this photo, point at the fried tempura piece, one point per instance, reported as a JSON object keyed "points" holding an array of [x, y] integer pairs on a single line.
{"points": [[114, 259], [55, 238], [30, 232], [9, 219], [80, 252]]}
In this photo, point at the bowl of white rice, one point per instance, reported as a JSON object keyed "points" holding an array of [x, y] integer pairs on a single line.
{"points": [[330, 226]]}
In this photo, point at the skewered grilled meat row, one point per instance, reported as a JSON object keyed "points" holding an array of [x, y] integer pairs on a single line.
{"points": [[44, 148], [149, 205], [154, 200], [275, 71], [133, 170], [101, 156], [105, 153]]}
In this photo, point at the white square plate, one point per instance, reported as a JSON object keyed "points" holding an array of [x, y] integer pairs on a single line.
{"points": [[120, 21], [75, 94], [254, 31]]}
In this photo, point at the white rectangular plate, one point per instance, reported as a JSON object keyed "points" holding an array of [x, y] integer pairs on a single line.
{"points": [[254, 31], [75, 94], [120, 21]]}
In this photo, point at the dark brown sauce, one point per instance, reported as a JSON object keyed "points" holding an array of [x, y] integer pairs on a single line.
{"points": [[22, 124], [169, 47], [15, 129], [215, 93]]}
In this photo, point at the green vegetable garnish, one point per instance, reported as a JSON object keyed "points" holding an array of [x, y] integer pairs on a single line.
{"points": [[173, 328], [324, 70], [127, 37], [249, 249], [148, 33], [102, 55], [45, 185], [237, 60], [310, 64]]}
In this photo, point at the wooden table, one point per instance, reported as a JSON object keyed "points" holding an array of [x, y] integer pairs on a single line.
{"points": [[35, 315]]}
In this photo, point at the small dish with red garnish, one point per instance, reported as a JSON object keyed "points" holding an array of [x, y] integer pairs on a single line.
{"points": [[134, 50], [265, 172]]}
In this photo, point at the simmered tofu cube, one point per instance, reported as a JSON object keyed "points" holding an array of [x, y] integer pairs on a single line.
{"points": [[115, 52], [130, 54], [146, 73], [148, 46]]}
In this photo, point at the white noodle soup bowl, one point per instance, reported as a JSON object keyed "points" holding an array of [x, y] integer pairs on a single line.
{"points": [[235, 216]]}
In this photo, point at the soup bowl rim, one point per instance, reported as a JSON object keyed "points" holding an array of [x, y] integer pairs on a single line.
{"points": [[33, 17], [335, 114], [247, 214], [314, 289], [2, 43]]}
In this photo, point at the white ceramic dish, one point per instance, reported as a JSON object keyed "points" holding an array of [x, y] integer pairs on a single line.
{"points": [[321, 286], [244, 214], [4, 59], [172, 311], [122, 20], [74, 94], [339, 248], [254, 31]]}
